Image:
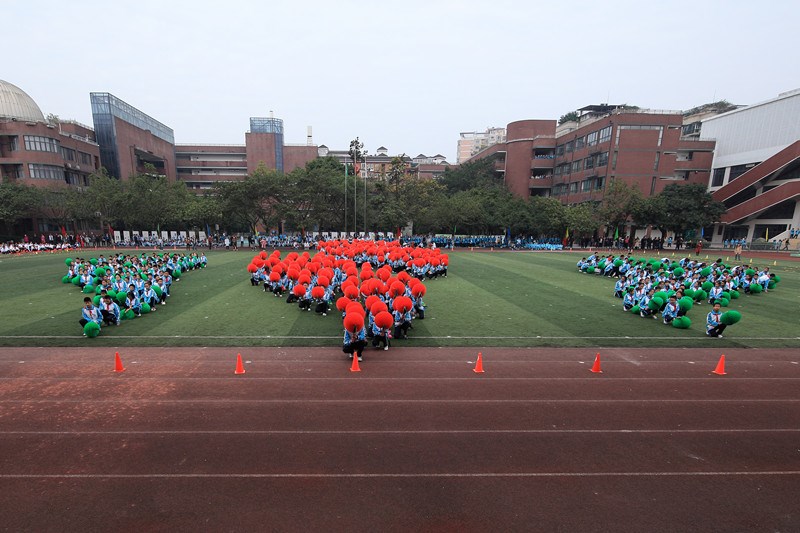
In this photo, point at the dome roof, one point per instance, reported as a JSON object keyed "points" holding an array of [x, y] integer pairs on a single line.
{"points": [[15, 103]]}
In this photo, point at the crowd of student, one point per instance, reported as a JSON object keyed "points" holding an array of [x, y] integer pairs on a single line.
{"points": [[376, 285], [672, 288], [125, 286], [12, 247]]}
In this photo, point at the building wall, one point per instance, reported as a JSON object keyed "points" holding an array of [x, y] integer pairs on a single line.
{"points": [[260, 149], [75, 159], [131, 139], [297, 156], [201, 166], [523, 138]]}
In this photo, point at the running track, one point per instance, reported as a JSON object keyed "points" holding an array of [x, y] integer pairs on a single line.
{"points": [[414, 442]]}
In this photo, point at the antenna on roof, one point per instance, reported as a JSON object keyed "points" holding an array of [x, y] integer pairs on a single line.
{"points": [[309, 140]]}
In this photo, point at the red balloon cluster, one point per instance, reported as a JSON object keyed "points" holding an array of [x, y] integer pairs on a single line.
{"points": [[364, 282]]}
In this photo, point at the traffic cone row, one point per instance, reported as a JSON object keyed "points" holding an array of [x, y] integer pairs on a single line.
{"points": [[354, 367]]}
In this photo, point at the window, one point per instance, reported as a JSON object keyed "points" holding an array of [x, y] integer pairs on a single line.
{"points": [[591, 139], [86, 159], [653, 186], [598, 185], [737, 171], [718, 177], [573, 187], [46, 172], [68, 154], [605, 135], [614, 161], [559, 150], [588, 163], [658, 158], [576, 166], [35, 143], [602, 159], [13, 144], [586, 186], [569, 146], [580, 142]]}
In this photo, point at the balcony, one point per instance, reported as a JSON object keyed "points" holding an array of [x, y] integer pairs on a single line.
{"points": [[186, 163], [541, 182]]}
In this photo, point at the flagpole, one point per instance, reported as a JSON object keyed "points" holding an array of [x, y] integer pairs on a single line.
{"points": [[345, 199]]}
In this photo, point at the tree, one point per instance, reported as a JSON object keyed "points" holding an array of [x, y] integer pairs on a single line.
{"points": [[253, 201], [619, 202], [687, 207], [471, 175], [572, 116], [582, 219], [548, 217], [17, 202], [103, 199]]}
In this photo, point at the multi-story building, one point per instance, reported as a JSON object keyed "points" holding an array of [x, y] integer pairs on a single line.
{"points": [[575, 161], [200, 166], [378, 165], [472, 142], [756, 169], [42, 152]]}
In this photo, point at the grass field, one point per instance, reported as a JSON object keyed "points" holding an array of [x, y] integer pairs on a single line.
{"points": [[489, 299]]}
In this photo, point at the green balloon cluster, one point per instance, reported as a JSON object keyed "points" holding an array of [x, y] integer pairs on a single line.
{"points": [[755, 288], [707, 286], [76, 280], [682, 322], [730, 317], [68, 261], [678, 272], [734, 295], [145, 308], [635, 309], [66, 279], [88, 289], [91, 329], [93, 261], [700, 295], [655, 303], [686, 303]]}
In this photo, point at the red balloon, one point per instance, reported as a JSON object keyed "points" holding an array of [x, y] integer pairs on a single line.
{"points": [[299, 291], [403, 276], [384, 319], [351, 291], [323, 281], [384, 274], [370, 301], [318, 292], [353, 322], [397, 288], [366, 274], [263, 255], [252, 268], [274, 276], [343, 302], [377, 307], [418, 290], [403, 304], [355, 307]]}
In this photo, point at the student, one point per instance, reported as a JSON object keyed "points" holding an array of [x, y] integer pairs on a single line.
{"points": [[149, 296], [380, 336], [132, 302], [402, 323], [644, 308], [715, 293], [90, 313], [672, 309], [110, 311], [629, 300], [355, 342], [714, 326], [619, 287]]}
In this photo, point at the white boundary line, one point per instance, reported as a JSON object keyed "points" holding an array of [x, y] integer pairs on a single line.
{"points": [[94, 379], [446, 337], [398, 475], [385, 401], [399, 432]]}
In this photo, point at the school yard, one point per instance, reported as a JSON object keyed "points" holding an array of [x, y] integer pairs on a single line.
{"points": [[415, 441]]}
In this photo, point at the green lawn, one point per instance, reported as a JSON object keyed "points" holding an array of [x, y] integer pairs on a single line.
{"points": [[489, 299]]}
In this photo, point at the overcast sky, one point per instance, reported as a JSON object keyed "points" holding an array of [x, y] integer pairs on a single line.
{"points": [[407, 74]]}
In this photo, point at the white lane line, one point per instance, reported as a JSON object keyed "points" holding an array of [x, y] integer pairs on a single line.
{"points": [[386, 401], [399, 432], [406, 475], [445, 337], [94, 379]]}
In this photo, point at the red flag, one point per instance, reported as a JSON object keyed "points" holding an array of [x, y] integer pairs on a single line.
{"points": [[110, 231], [357, 168], [63, 232]]}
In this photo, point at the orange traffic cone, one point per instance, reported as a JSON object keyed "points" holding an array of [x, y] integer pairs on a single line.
{"points": [[479, 364], [596, 365], [354, 367], [239, 366], [720, 370], [118, 363]]}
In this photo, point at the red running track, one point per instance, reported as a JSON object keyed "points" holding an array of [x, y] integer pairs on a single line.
{"points": [[414, 442]]}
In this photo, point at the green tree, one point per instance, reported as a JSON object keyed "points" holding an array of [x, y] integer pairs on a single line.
{"points": [[471, 175], [572, 116], [687, 207], [255, 200], [17, 202], [582, 219], [548, 217], [620, 201], [103, 199]]}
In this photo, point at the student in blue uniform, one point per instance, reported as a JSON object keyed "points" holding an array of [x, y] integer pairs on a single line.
{"points": [[110, 311], [714, 325], [380, 336], [90, 313], [671, 310], [354, 343], [629, 300]]}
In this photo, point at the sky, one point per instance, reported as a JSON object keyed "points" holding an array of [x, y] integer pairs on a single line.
{"points": [[408, 75]]}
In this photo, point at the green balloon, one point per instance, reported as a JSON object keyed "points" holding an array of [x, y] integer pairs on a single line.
{"points": [[91, 329], [635, 309], [776, 278], [700, 295], [617, 263], [734, 295], [145, 308], [76, 280], [682, 322], [66, 279], [88, 289], [157, 290], [68, 261], [705, 272], [93, 260], [749, 272], [771, 284], [100, 272], [724, 302], [655, 303], [730, 317], [755, 288], [707, 286], [96, 299], [678, 272], [113, 294], [686, 303], [129, 314]]}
